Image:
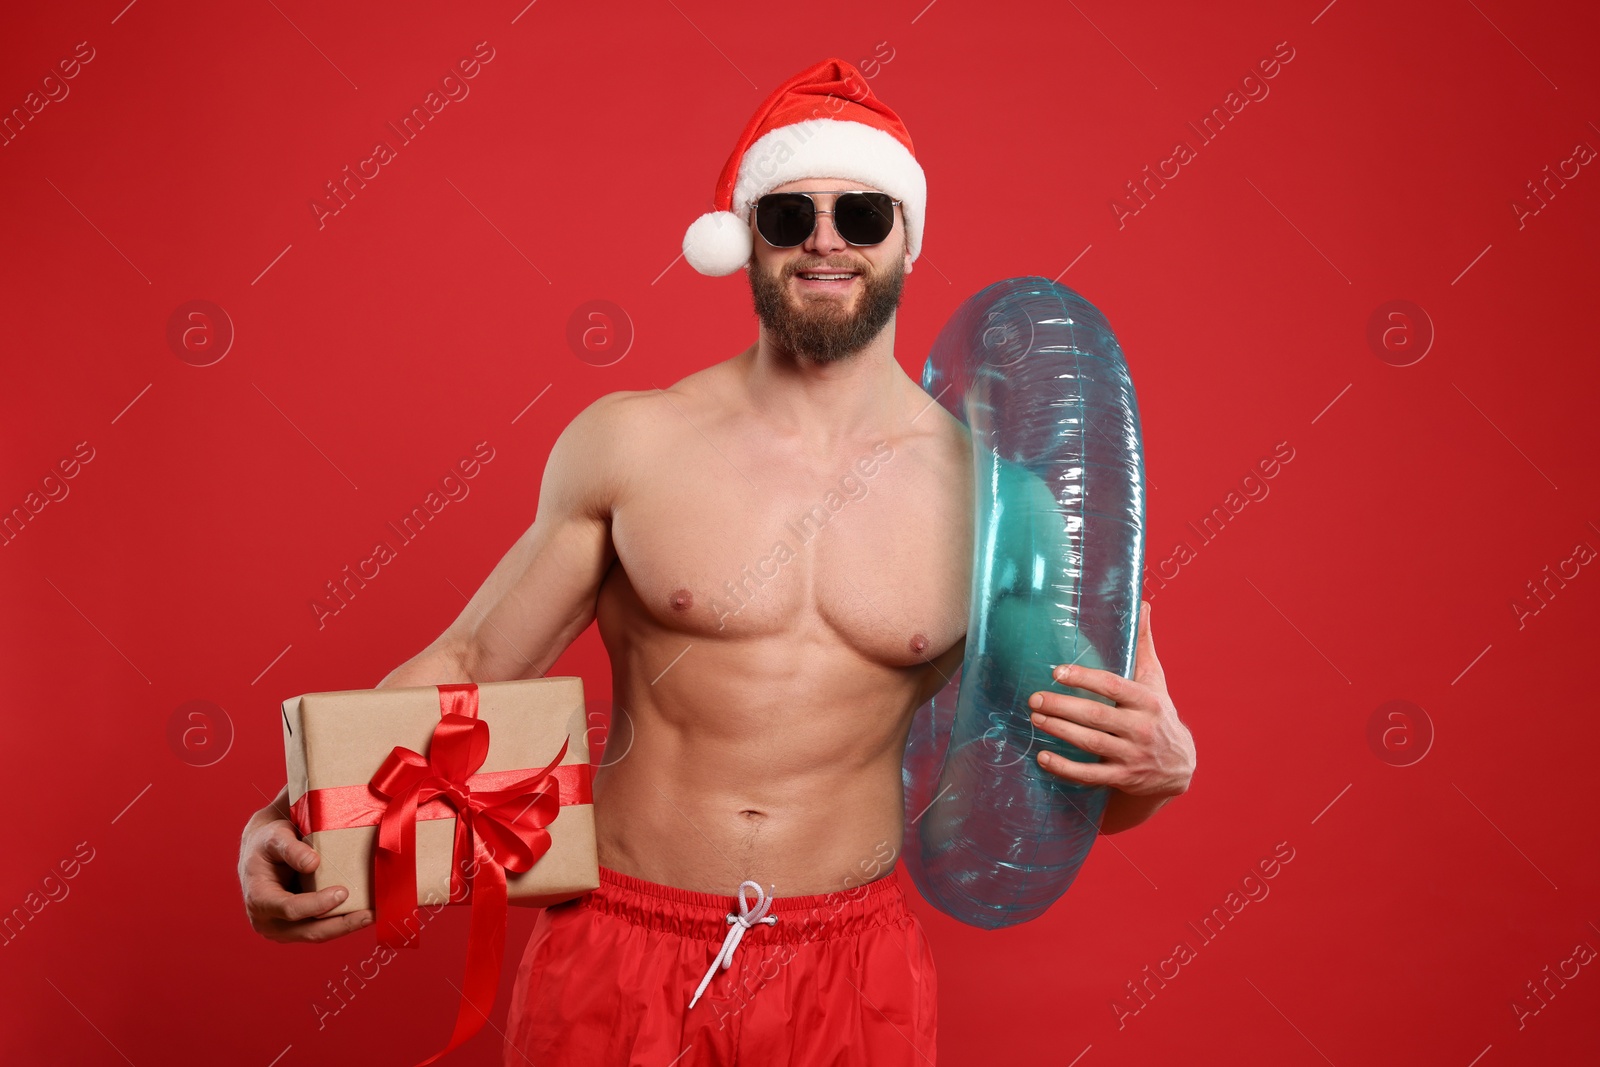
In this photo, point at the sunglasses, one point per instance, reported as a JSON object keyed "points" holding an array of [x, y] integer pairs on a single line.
{"points": [[861, 217]]}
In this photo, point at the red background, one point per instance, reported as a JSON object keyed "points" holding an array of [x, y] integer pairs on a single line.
{"points": [[426, 316]]}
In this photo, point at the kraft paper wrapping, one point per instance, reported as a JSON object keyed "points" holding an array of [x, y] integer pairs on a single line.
{"points": [[341, 739]]}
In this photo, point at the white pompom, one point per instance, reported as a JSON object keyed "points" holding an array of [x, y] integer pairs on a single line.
{"points": [[717, 243]]}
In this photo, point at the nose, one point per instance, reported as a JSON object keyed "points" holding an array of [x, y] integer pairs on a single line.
{"points": [[824, 239]]}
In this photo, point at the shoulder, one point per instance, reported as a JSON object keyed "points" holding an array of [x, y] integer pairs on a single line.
{"points": [[617, 438], [591, 437], [944, 438], [588, 465], [655, 416], [606, 415], [617, 420]]}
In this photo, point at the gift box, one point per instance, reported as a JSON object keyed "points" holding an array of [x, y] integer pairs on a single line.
{"points": [[337, 743], [421, 797]]}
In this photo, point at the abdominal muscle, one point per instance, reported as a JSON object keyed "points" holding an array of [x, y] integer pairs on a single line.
{"points": [[728, 772]]}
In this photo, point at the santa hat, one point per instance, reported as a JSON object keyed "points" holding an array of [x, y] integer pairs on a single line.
{"points": [[822, 123]]}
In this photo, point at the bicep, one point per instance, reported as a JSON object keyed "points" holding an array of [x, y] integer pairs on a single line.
{"points": [[541, 595]]}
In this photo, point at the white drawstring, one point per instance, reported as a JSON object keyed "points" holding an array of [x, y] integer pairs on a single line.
{"points": [[738, 924]]}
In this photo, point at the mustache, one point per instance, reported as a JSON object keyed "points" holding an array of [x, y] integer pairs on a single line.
{"points": [[830, 267]]}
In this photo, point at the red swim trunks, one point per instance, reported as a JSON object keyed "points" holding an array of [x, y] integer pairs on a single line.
{"points": [[837, 979]]}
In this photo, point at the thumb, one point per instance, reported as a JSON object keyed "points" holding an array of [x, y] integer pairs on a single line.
{"points": [[1145, 661]]}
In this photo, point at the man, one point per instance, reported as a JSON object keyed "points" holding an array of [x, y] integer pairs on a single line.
{"points": [[777, 550]]}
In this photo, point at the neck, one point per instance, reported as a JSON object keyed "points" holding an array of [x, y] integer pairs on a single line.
{"points": [[824, 403]]}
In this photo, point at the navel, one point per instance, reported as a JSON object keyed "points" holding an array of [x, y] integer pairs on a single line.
{"points": [[681, 599]]}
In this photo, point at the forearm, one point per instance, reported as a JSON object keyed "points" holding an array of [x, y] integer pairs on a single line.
{"points": [[438, 664], [434, 665], [1125, 811]]}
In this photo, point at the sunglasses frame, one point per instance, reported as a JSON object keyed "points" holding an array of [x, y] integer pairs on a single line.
{"points": [[816, 211]]}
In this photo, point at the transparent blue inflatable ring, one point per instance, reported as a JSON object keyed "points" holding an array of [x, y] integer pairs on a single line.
{"points": [[1036, 375]]}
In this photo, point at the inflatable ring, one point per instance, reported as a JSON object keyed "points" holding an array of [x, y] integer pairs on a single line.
{"points": [[1034, 372]]}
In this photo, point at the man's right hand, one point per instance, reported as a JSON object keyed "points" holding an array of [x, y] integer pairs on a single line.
{"points": [[270, 854]]}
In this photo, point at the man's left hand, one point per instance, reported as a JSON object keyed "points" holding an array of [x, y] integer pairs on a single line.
{"points": [[1144, 750]]}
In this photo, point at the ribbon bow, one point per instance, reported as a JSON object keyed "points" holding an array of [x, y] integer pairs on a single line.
{"points": [[496, 830], [737, 925]]}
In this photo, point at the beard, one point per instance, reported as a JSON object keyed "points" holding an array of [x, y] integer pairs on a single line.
{"points": [[822, 327]]}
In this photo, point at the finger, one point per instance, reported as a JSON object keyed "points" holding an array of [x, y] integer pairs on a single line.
{"points": [[1082, 773], [285, 847], [275, 902], [1098, 742], [316, 931], [1091, 714], [1113, 687], [1145, 662]]}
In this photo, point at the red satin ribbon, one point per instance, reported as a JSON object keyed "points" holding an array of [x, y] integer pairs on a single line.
{"points": [[340, 807], [500, 825]]}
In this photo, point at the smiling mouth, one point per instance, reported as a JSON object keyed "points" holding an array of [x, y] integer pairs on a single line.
{"points": [[826, 281]]}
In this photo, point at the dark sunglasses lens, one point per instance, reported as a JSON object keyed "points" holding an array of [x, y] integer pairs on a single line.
{"points": [[864, 218], [784, 219]]}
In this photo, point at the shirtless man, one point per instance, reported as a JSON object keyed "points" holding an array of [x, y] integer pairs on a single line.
{"points": [[763, 697]]}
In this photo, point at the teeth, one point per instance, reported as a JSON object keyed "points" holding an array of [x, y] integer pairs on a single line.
{"points": [[828, 277]]}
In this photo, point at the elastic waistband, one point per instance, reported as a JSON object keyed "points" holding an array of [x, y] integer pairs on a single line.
{"points": [[688, 913]]}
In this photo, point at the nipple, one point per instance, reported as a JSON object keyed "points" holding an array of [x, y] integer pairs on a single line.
{"points": [[919, 644], [681, 599]]}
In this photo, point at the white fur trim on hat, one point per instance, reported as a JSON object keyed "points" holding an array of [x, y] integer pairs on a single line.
{"points": [[717, 243], [720, 243]]}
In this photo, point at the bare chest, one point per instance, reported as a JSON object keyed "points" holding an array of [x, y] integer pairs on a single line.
{"points": [[870, 549]]}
